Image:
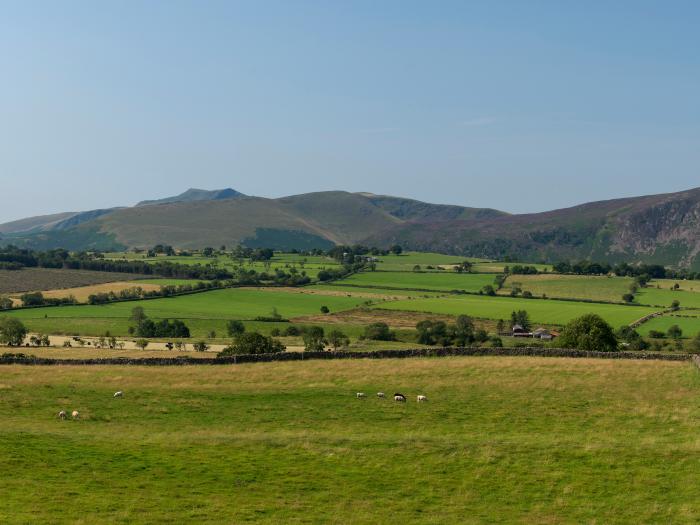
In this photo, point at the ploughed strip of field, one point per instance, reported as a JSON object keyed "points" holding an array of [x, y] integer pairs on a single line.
{"points": [[82, 293], [39, 279], [395, 319]]}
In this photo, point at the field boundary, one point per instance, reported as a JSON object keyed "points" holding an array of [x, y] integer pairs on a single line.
{"points": [[10, 359]]}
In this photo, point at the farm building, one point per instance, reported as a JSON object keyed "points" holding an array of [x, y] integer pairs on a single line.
{"points": [[519, 331], [544, 334]]}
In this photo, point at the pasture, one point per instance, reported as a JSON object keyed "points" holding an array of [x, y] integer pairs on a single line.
{"points": [[591, 287], [665, 297], [202, 312], [501, 440], [540, 311], [689, 325], [442, 281]]}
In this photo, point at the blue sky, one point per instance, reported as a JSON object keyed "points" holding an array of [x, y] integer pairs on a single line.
{"points": [[521, 106]]}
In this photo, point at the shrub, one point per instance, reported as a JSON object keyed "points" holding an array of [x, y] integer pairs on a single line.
{"points": [[589, 332], [656, 334], [141, 343], [325, 310], [292, 331]]}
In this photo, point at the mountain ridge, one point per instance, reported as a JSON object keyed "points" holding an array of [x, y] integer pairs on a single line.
{"points": [[663, 228]]}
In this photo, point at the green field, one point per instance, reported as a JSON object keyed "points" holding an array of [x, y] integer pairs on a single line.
{"points": [[689, 325], [664, 297], [593, 288], [202, 311], [470, 282], [541, 311], [501, 440]]}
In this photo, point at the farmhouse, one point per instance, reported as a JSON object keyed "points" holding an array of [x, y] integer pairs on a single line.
{"points": [[544, 334], [519, 331]]}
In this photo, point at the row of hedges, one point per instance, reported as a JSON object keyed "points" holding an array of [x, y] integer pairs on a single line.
{"points": [[378, 354]]}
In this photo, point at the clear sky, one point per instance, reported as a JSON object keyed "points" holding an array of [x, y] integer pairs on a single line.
{"points": [[521, 106]]}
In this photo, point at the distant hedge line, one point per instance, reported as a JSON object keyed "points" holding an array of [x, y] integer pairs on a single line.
{"points": [[379, 354]]}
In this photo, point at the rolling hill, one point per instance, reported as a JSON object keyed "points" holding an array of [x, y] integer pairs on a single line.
{"points": [[661, 229]]}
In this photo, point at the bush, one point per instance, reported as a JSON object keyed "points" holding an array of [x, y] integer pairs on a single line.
{"points": [[235, 327], [325, 310], [589, 332], [292, 331], [252, 343], [656, 334], [162, 328], [379, 332]]}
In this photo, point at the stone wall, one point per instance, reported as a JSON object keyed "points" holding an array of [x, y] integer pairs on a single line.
{"points": [[378, 354]]}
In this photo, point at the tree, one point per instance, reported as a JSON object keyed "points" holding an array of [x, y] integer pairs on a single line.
{"points": [[522, 318], [628, 297], [314, 340], [338, 339], [378, 332], [432, 333], [5, 303], [12, 331], [138, 315], [589, 332], [235, 327], [141, 343], [488, 290], [675, 304], [396, 249], [252, 343], [416, 267], [325, 310], [200, 346], [675, 332], [463, 330], [500, 326]]}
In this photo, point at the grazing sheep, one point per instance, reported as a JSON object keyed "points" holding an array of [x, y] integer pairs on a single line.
{"points": [[360, 395], [62, 414], [380, 394], [421, 398], [119, 393], [399, 397], [75, 414]]}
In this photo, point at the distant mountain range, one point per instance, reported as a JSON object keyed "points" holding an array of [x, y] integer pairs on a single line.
{"points": [[662, 229]]}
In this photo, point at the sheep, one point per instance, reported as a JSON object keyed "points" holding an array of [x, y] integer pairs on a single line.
{"points": [[75, 414], [380, 394], [421, 398], [62, 414], [118, 393], [399, 397], [360, 395]]}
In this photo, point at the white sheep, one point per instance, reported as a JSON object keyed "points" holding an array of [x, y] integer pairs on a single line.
{"points": [[75, 414], [62, 414], [421, 398], [360, 395], [399, 397], [380, 394], [118, 393]]}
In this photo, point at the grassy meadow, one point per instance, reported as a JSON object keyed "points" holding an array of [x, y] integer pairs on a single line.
{"points": [[501, 440], [442, 281], [594, 288], [540, 311]]}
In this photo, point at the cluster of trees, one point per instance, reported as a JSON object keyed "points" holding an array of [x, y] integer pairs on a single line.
{"points": [[38, 299], [649, 271], [519, 269], [252, 343], [145, 327], [461, 333]]}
